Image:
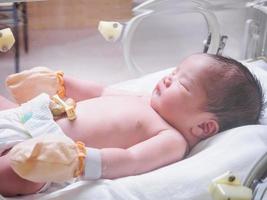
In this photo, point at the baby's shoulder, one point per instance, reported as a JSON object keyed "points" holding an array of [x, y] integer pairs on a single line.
{"points": [[179, 141]]}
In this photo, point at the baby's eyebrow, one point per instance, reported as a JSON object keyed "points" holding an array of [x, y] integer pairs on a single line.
{"points": [[191, 83]]}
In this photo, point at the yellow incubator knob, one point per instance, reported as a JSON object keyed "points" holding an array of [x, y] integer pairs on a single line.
{"points": [[6, 39], [110, 30], [229, 187]]}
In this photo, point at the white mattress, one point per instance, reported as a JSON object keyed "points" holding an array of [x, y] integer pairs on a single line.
{"points": [[236, 150]]}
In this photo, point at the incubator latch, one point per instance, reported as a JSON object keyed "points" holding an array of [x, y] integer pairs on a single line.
{"points": [[260, 192], [222, 44], [228, 187], [110, 30], [207, 43], [6, 39]]}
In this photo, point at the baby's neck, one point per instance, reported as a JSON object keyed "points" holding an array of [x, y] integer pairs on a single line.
{"points": [[191, 139], [6, 104]]}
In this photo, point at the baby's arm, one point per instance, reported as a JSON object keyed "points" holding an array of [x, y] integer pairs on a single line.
{"points": [[79, 89], [11, 184], [163, 149], [40, 79]]}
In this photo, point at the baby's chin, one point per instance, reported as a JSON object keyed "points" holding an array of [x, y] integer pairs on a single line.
{"points": [[154, 100]]}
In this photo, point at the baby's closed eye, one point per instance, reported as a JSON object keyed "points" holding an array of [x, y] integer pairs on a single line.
{"points": [[183, 85]]}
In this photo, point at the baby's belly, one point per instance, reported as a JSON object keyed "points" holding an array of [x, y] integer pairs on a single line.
{"points": [[108, 122]]}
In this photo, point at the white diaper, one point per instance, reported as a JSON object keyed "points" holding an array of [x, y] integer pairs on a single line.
{"points": [[31, 119]]}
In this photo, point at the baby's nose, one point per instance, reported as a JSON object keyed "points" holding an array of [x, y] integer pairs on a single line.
{"points": [[168, 81]]}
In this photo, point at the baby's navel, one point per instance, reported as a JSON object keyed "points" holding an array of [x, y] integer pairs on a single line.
{"points": [[138, 125]]}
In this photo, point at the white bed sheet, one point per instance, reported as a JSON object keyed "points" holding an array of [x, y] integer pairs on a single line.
{"points": [[236, 150]]}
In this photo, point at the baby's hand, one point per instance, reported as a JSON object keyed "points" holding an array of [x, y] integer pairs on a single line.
{"points": [[28, 84], [47, 158], [54, 158]]}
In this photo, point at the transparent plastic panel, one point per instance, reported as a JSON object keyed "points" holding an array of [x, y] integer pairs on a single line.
{"points": [[63, 35], [161, 41]]}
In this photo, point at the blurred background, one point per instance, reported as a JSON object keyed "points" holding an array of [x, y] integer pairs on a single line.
{"points": [[63, 35]]}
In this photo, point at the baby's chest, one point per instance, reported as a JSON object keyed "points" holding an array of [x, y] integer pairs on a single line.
{"points": [[108, 122], [119, 114]]}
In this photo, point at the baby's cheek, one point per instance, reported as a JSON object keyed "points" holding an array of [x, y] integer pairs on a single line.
{"points": [[154, 102]]}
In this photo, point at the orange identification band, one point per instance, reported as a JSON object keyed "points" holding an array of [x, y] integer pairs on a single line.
{"points": [[61, 90], [81, 156]]}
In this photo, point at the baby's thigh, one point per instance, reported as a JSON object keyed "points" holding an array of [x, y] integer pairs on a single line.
{"points": [[12, 184]]}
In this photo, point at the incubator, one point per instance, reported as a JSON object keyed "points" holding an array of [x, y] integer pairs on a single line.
{"points": [[160, 34], [157, 21]]}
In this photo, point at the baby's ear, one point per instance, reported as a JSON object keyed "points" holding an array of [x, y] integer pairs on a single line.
{"points": [[206, 129]]}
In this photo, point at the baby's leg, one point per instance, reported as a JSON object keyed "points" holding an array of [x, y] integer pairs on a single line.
{"points": [[6, 104], [12, 184]]}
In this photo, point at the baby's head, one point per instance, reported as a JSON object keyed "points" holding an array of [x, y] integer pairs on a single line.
{"points": [[207, 94], [234, 94]]}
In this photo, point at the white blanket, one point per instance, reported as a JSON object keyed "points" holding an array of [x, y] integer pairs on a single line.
{"points": [[236, 150]]}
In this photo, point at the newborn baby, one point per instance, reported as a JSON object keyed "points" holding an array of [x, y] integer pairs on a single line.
{"points": [[136, 133]]}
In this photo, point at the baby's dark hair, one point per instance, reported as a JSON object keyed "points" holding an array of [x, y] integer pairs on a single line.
{"points": [[234, 94]]}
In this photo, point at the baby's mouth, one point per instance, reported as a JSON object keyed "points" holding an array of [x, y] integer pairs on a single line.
{"points": [[157, 89]]}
